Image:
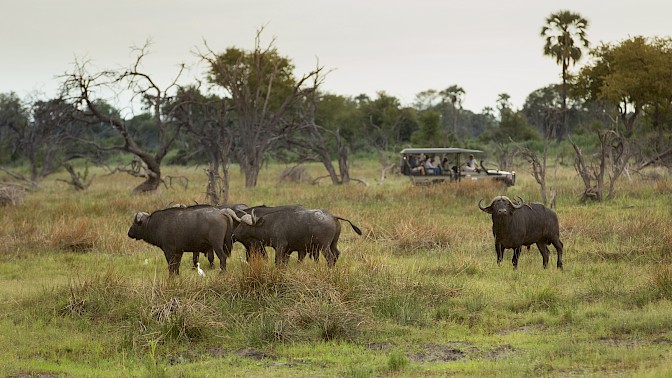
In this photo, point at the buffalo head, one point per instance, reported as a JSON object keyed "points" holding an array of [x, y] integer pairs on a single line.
{"points": [[135, 232], [502, 205]]}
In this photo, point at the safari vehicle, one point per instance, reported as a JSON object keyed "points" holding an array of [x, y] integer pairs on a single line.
{"points": [[452, 166]]}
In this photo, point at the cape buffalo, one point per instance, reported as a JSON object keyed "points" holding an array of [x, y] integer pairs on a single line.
{"points": [[235, 207], [517, 224], [253, 246], [293, 228], [194, 229]]}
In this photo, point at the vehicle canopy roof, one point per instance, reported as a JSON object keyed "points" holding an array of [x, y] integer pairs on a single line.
{"points": [[448, 150]]}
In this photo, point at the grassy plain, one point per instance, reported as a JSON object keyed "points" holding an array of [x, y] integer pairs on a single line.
{"points": [[419, 294]]}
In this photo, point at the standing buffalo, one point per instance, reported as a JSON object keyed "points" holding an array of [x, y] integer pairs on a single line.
{"points": [[240, 207], [517, 224], [253, 246], [293, 228], [175, 230]]}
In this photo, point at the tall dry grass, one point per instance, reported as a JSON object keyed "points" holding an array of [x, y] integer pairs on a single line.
{"points": [[423, 273]]}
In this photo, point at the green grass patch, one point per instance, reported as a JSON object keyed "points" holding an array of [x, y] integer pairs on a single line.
{"points": [[419, 294]]}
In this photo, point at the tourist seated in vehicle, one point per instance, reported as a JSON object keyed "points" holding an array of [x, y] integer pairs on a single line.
{"points": [[471, 165], [448, 167], [430, 168], [416, 167]]}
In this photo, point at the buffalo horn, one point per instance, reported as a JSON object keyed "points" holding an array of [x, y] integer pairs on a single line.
{"points": [[139, 216], [247, 219], [486, 209], [231, 213], [518, 205]]}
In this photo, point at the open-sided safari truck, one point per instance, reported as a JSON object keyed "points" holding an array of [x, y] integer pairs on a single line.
{"points": [[452, 164]]}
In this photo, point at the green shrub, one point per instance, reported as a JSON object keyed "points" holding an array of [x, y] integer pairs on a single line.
{"points": [[397, 361]]}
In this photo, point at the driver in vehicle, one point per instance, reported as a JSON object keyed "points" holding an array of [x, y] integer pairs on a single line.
{"points": [[472, 165]]}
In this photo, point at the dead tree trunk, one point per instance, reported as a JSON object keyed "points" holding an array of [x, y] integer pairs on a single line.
{"points": [[610, 160], [217, 189], [538, 171], [343, 160], [82, 86], [79, 181]]}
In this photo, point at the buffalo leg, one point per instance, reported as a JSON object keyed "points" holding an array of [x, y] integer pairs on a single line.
{"points": [[194, 258], [255, 249], [330, 256], [211, 258], [334, 250], [330, 253], [219, 250], [302, 255], [281, 255], [334, 255], [543, 249], [500, 253], [516, 254], [174, 260], [285, 256], [558, 248]]}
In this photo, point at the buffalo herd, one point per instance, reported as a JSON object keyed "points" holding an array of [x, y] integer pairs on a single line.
{"points": [[207, 229]]}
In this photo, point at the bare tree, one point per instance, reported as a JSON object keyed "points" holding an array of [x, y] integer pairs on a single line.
{"points": [[207, 121], [538, 169], [504, 153], [311, 139], [611, 160], [83, 88], [538, 163], [79, 181], [263, 94], [40, 138]]}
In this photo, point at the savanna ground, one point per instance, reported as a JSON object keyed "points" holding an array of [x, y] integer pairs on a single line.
{"points": [[419, 294]]}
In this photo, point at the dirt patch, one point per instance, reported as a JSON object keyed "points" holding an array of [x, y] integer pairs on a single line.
{"points": [[181, 358], [499, 353], [614, 342], [663, 341], [525, 329], [377, 346], [216, 352], [434, 353], [253, 354]]}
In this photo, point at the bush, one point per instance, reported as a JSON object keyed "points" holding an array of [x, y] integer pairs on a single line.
{"points": [[11, 195], [397, 361]]}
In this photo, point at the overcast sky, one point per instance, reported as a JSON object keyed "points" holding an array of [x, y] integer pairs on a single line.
{"points": [[401, 47]]}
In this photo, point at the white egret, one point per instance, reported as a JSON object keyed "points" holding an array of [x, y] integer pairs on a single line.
{"points": [[200, 271]]}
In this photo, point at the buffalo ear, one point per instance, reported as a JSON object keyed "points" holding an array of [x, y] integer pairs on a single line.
{"points": [[259, 221]]}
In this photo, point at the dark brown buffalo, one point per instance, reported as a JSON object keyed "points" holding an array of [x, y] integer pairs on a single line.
{"points": [[256, 247], [517, 224], [194, 229], [293, 228], [235, 207]]}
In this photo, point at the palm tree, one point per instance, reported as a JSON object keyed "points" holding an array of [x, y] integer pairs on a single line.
{"points": [[454, 95], [565, 34]]}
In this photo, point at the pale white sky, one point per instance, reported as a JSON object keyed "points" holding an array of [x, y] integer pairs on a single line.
{"points": [[401, 47]]}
